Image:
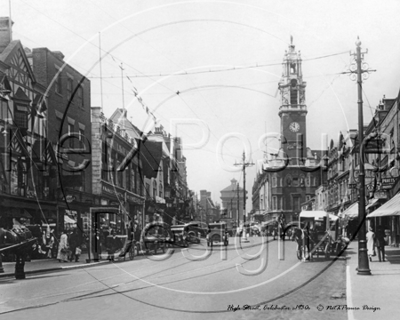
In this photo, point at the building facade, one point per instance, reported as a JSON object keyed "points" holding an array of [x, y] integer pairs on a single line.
{"points": [[117, 178], [27, 164], [232, 202], [69, 131]]}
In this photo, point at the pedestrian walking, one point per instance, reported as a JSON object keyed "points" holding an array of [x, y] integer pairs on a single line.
{"points": [[74, 242], [63, 248], [48, 241], [380, 243], [370, 243]]}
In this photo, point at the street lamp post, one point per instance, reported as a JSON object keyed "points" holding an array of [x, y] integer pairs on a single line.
{"points": [[363, 264]]}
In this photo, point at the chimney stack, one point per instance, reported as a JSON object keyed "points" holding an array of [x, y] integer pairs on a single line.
{"points": [[5, 32]]}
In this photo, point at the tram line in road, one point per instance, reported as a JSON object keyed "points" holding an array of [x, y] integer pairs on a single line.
{"points": [[100, 293], [96, 292]]}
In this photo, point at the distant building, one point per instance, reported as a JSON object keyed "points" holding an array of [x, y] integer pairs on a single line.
{"points": [[232, 201], [208, 210]]}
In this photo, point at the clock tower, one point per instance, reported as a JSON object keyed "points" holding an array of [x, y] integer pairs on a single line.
{"points": [[293, 108]]}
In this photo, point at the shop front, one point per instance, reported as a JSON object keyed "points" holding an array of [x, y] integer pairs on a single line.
{"points": [[136, 208], [388, 216], [27, 211]]}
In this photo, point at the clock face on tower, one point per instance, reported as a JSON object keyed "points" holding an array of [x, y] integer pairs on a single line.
{"points": [[294, 127]]}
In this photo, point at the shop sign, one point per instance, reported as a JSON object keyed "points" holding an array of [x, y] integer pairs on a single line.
{"points": [[69, 198], [380, 194], [133, 198], [387, 183], [111, 190]]}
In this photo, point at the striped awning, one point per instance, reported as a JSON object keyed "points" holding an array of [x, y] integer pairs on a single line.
{"points": [[390, 208], [351, 212]]}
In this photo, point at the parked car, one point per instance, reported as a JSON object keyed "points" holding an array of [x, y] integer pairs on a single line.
{"points": [[196, 227]]}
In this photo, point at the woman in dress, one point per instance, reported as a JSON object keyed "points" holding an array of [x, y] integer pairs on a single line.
{"points": [[370, 243], [63, 248]]}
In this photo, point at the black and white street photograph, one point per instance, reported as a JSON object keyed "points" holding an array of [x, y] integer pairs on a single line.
{"points": [[199, 159]]}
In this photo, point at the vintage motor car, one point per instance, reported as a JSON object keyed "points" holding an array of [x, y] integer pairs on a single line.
{"points": [[185, 234], [217, 233]]}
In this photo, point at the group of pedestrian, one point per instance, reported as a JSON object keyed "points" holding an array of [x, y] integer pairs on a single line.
{"points": [[69, 248], [376, 240]]}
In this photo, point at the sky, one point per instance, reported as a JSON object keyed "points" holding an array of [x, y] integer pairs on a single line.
{"points": [[209, 70]]}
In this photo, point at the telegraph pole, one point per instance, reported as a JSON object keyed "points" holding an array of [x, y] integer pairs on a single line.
{"points": [[244, 165], [237, 207]]}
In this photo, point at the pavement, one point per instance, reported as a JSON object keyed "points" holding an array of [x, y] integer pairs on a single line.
{"points": [[47, 265], [374, 296]]}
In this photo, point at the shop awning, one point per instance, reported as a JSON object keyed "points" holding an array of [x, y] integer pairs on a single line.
{"points": [[372, 203], [390, 208], [319, 215], [351, 212], [69, 220]]}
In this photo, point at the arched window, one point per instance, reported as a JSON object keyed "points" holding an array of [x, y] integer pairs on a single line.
{"points": [[288, 180], [293, 68]]}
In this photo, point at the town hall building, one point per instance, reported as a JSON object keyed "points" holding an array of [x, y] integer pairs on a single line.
{"points": [[290, 177]]}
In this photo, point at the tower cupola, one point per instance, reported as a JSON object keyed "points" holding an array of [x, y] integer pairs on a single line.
{"points": [[291, 85]]}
